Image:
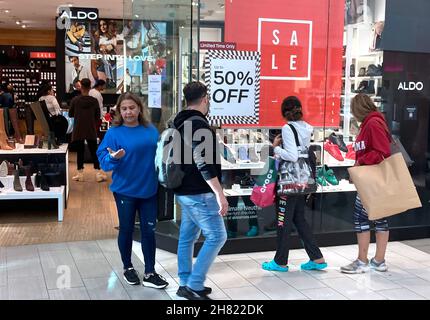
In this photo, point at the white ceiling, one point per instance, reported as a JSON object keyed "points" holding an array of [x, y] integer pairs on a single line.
{"points": [[41, 14]]}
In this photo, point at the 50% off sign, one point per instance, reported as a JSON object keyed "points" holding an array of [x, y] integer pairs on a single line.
{"points": [[234, 87]]}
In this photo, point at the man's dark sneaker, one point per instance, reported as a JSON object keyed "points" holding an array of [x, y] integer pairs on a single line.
{"points": [[131, 276], [154, 280], [338, 139], [206, 290], [190, 294]]}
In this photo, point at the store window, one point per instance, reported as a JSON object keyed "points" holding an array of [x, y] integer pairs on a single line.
{"points": [[324, 53], [160, 52]]}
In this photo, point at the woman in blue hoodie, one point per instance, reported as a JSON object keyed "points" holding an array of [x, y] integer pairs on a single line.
{"points": [[291, 209], [128, 149]]}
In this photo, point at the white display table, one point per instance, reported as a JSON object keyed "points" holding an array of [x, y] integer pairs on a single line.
{"points": [[36, 155]]}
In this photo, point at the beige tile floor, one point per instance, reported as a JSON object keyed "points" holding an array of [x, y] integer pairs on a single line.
{"points": [[94, 271]]}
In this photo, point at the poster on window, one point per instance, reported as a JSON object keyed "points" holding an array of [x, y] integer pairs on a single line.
{"points": [[123, 53], [154, 91], [233, 86], [354, 11]]}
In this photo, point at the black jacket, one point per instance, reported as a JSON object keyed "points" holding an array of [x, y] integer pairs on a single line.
{"points": [[204, 166]]}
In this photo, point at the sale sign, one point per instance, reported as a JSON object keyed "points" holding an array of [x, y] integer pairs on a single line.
{"points": [[300, 42], [286, 48], [234, 86]]}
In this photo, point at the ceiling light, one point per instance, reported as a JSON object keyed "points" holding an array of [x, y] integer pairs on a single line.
{"points": [[24, 26], [136, 15], [70, 4], [6, 11], [18, 22]]}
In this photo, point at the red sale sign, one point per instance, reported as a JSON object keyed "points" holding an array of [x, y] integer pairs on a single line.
{"points": [[284, 57], [300, 42]]}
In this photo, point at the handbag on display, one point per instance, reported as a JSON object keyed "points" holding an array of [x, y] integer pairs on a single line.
{"points": [[264, 191], [385, 189], [298, 177]]}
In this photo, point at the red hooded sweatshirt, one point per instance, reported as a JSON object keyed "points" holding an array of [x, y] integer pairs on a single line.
{"points": [[372, 144]]}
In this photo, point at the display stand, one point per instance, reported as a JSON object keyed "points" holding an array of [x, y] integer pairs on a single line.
{"points": [[36, 155]]}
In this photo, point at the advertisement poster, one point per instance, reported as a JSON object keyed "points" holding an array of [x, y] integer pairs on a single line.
{"points": [[234, 86], [154, 91], [301, 54], [122, 53]]}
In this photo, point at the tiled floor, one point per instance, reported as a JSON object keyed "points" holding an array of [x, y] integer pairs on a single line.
{"points": [[93, 270]]}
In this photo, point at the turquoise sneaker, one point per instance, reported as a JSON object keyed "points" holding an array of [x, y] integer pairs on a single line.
{"points": [[253, 232], [273, 266], [310, 265]]}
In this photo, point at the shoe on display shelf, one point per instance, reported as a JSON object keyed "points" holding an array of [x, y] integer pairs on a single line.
{"points": [[243, 154], [338, 140], [252, 232], [350, 155], [333, 150], [253, 155], [328, 175]]}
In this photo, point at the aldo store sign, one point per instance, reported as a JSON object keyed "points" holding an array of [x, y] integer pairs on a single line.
{"points": [[87, 14], [300, 43], [410, 86]]}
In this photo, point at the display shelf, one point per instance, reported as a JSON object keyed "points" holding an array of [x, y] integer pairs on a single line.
{"points": [[366, 77], [53, 193], [256, 144], [238, 193], [20, 150], [344, 187], [225, 165]]}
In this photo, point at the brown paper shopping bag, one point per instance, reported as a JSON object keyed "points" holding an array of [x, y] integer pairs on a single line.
{"points": [[386, 188]]}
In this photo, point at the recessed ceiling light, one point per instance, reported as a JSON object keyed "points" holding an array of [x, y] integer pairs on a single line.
{"points": [[24, 26], [6, 11], [70, 4], [18, 22]]}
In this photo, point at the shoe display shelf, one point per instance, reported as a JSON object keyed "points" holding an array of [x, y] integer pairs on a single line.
{"points": [[36, 155], [241, 165], [8, 182], [238, 192], [343, 186], [53, 193]]}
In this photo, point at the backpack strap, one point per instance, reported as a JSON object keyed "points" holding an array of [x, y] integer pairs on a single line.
{"points": [[296, 136]]}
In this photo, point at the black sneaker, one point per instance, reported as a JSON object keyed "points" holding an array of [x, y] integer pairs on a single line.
{"points": [[181, 291], [338, 140], [190, 294], [154, 280], [131, 276]]}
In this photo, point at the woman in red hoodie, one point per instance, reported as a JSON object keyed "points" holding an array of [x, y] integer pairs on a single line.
{"points": [[372, 146]]}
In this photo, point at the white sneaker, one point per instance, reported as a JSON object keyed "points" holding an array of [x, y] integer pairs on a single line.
{"points": [[100, 176], [79, 176], [355, 267], [378, 266]]}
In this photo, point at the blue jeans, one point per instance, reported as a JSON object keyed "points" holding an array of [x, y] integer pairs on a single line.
{"points": [[147, 210], [199, 213]]}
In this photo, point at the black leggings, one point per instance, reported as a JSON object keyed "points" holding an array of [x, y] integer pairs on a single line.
{"points": [[291, 209], [92, 146]]}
